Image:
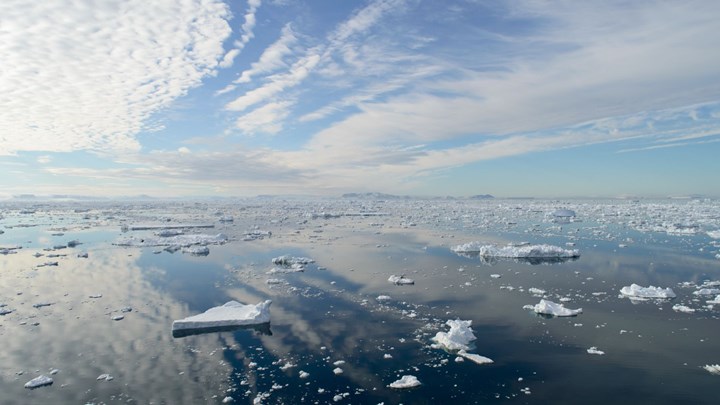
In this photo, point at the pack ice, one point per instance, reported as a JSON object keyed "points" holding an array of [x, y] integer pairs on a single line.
{"points": [[517, 252], [636, 291], [231, 313]]}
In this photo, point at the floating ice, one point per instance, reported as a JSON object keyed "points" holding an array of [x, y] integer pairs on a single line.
{"points": [[400, 280], [197, 250], [474, 357], [146, 227], [635, 290], [546, 307], [231, 313], [707, 291], [383, 298], [682, 308], [457, 338], [165, 233], [338, 371], [517, 252], [714, 234], [291, 260], [594, 350], [536, 291], [39, 381], [407, 381], [105, 377], [714, 301], [712, 368], [178, 240]]}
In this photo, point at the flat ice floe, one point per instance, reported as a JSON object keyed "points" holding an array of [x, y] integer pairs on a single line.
{"points": [[39, 381], [476, 358], [517, 252], [407, 381], [545, 307], [636, 291], [400, 280], [232, 313], [178, 240]]}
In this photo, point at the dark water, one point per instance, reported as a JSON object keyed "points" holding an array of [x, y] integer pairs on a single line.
{"points": [[330, 312]]}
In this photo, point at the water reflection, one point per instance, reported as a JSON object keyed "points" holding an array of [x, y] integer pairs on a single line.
{"points": [[262, 329]]}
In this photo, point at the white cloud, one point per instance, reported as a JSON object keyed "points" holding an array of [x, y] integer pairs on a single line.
{"points": [[87, 75], [267, 119], [272, 57]]}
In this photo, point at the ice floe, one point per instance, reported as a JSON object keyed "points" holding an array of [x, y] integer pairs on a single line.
{"points": [[457, 338], [39, 381], [514, 251], [712, 368], [400, 280], [545, 307], [231, 313], [407, 381], [594, 350], [178, 240], [683, 308], [636, 291], [476, 358]]}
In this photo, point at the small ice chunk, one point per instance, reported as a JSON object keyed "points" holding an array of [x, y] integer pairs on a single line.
{"points": [[707, 291], [714, 234], [400, 280], [39, 381], [546, 307], [304, 374], [714, 301], [231, 313], [457, 338], [118, 318], [383, 298], [495, 276], [339, 363], [227, 400], [407, 381], [711, 368], [682, 308], [594, 350], [105, 377], [387, 356], [338, 371], [635, 290], [273, 281], [536, 291], [95, 296]]}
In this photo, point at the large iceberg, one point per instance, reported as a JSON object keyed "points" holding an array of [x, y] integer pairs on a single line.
{"points": [[517, 252], [545, 307], [636, 291], [457, 338], [231, 313]]}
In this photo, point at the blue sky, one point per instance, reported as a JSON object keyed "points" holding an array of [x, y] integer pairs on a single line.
{"points": [[515, 98]]}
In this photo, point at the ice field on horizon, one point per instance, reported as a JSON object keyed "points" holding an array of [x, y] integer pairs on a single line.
{"points": [[373, 301]]}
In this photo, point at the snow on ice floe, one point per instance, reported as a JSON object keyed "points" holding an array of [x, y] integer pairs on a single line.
{"points": [[514, 251], [594, 350], [683, 308], [545, 307], [39, 381], [712, 368], [231, 313], [400, 280], [178, 240], [636, 291], [457, 338], [714, 234], [476, 358], [407, 381]]}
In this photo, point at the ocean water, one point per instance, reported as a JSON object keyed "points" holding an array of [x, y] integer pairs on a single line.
{"points": [[328, 317]]}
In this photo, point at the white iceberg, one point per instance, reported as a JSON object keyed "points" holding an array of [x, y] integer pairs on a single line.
{"points": [[407, 381], [39, 381], [517, 252], [232, 313], [636, 291], [457, 338], [400, 280], [546, 307]]}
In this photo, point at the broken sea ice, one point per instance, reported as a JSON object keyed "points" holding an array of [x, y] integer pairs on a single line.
{"points": [[545, 307], [636, 291]]}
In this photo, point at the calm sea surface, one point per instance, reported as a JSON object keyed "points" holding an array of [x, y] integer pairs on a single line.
{"points": [[330, 340]]}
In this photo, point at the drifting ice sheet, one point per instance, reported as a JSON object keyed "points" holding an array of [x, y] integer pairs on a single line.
{"points": [[517, 252], [407, 381], [546, 307], [232, 313], [637, 291]]}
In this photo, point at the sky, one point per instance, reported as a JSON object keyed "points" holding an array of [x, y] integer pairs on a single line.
{"points": [[185, 98]]}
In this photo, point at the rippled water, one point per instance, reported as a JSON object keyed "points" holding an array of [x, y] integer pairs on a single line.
{"points": [[330, 313]]}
